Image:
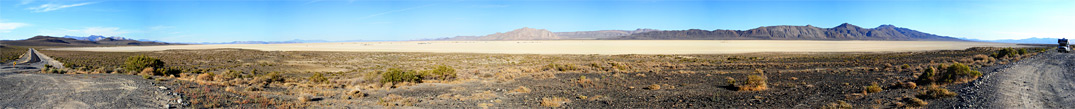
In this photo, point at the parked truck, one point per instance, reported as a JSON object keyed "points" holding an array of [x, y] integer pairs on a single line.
{"points": [[1063, 47]]}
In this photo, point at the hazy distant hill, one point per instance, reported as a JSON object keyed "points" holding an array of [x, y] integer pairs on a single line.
{"points": [[527, 33], [600, 34], [59, 41], [843, 32], [96, 37], [1034, 40]]}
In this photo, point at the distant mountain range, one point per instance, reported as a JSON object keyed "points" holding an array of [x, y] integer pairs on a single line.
{"points": [[843, 32], [527, 33], [1033, 40], [87, 41]]}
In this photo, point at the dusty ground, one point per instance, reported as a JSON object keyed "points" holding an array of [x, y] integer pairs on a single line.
{"points": [[802, 80], [1045, 81], [24, 87], [589, 46]]}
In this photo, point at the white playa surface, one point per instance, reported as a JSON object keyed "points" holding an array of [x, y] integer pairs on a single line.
{"points": [[587, 46]]}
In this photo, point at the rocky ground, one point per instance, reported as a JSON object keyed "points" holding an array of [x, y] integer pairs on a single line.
{"points": [[354, 79], [24, 87], [1044, 81]]}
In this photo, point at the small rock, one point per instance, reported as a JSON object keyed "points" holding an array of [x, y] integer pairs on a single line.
{"points": [[163, 88]]}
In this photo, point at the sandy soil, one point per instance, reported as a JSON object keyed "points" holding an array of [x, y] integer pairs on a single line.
{"points": [[588, 46]]}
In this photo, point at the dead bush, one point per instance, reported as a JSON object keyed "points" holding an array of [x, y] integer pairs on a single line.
{"points": [[753, 83], [936, 92], [873, 88], [554, 101], [654, 87], [915, 102], [206, 76], [521, 89], [396, 100]]}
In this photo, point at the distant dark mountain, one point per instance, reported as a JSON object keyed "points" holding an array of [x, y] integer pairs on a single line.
{"points": [[843, 32], [60, 41], [1033, 40]]}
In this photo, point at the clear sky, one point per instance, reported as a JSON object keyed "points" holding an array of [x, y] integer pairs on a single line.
{"points": [[245, 20]]}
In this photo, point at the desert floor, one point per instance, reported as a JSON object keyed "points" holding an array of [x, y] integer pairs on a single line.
{"points": [[588, 46]]}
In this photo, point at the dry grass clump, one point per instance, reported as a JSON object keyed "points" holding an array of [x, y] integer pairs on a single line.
{"points": [[753, 83], [396, 100], [554, 101], [907, 85], [915, 102], [654, 87], [935, 92], [839, 104], [206, 76], [520, 89], [873, 88]]}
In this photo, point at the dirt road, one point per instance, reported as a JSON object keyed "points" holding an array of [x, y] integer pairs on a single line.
{"points": [[1043, 81], [22, 87]]}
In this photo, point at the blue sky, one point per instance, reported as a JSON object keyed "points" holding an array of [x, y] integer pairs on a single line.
{"points": [[244, 20]]}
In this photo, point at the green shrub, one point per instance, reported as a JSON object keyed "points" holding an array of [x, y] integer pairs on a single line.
{"points": [[168, 71], [231, 74], [960, 73], [394, 75], [928, 76], [135, 63], [274, 77], [318, 78], [440, 72], [1022, 51], [955, 73], [1006, 52]]}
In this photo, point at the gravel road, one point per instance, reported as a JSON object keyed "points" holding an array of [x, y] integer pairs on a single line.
{"points": [[1043, 81], [22, 87]]}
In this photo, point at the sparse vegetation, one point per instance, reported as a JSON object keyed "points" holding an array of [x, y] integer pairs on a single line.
{"points": [[873, 88], [288, 73], [839, 104], [318, 78], [915, 102], [441, 72], [936, 92], [753, 83], [394, 75], [560, 67], [554, 101]]}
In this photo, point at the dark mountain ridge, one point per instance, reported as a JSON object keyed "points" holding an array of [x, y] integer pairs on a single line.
{"points": [[60, 41], [842, 32]]}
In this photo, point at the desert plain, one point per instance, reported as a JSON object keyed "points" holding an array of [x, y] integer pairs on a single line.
{"points": [[556, 74], [587, 46]]}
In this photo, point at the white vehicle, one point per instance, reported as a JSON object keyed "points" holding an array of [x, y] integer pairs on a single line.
{"points": [[1063, 48]]}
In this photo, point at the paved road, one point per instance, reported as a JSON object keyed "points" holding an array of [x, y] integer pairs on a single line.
{"points": [[21, 86], [1043, 81]]}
